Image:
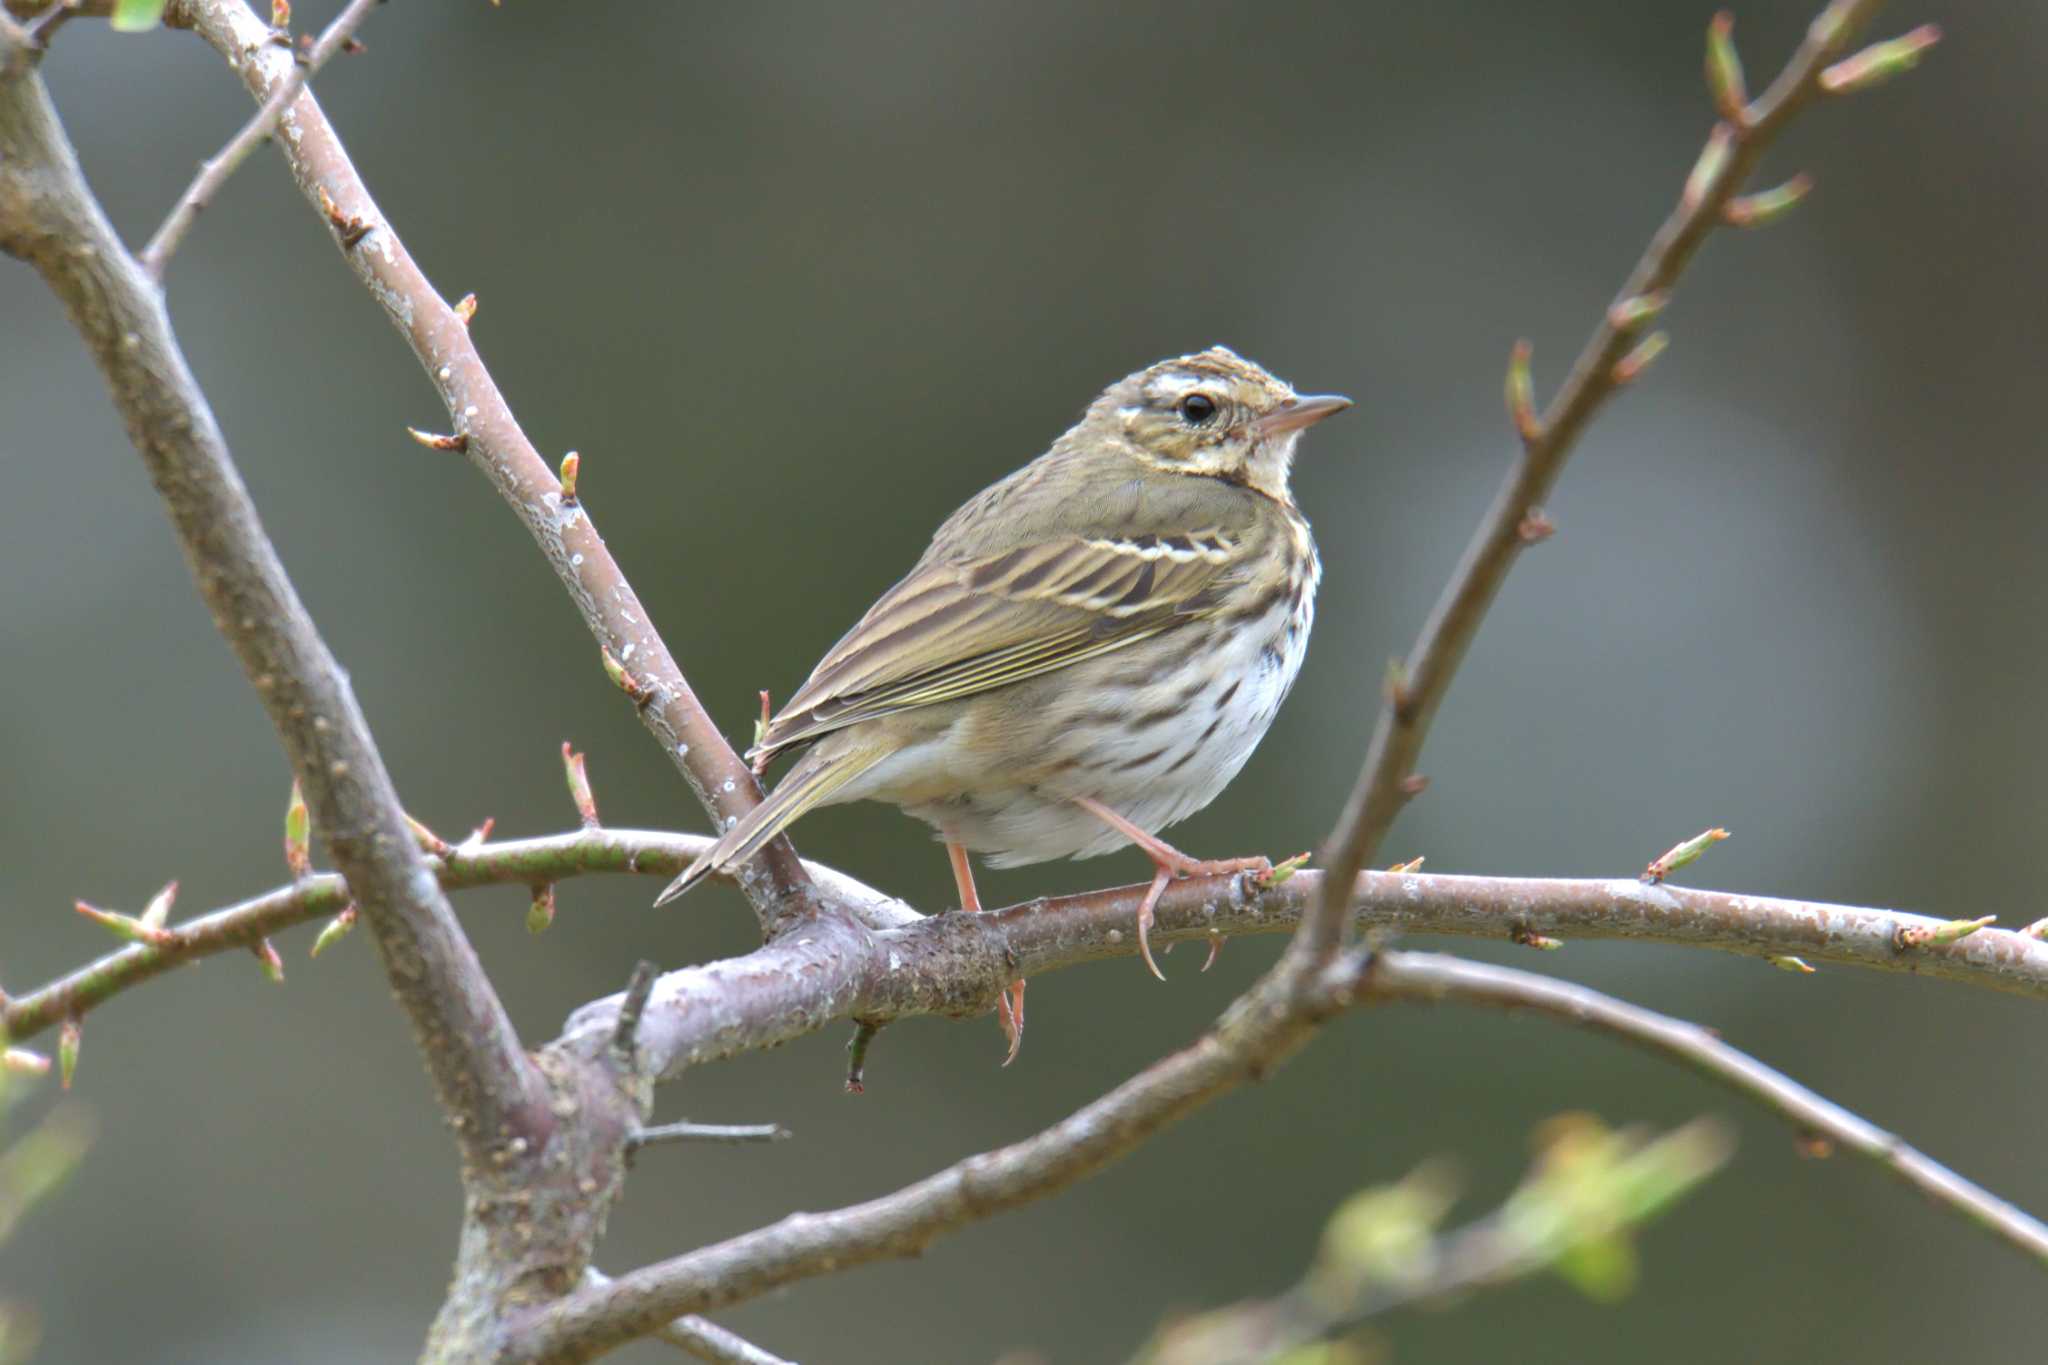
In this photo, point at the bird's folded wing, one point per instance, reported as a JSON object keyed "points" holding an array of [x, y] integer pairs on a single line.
{"points": [[953, 629]]}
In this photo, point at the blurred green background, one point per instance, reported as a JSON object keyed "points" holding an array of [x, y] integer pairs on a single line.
{"points": [[797, 280]]}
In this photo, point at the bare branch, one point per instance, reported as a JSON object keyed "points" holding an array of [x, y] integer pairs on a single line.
{"points": [[722, 1134], [703, 1338], [224, 163], [1260, 1030], [943, 963], [49, 218], [1388, 780], [1431, 976], [493, 441]]}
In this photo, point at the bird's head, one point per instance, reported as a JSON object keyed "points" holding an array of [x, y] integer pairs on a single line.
{"points": [[1213, 414]]}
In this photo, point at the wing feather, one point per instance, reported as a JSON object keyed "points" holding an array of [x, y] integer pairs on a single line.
{"points": [[952, 629]]}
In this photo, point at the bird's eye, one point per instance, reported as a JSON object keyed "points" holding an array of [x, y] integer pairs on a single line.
{"points": [[1198, 409]]}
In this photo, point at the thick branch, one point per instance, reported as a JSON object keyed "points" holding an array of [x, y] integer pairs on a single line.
{"points": [[439, 336], [949, 963], [1259, 1032], [1387, 779], [49, 218]]}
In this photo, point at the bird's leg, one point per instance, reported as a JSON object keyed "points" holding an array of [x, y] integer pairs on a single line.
{"points": [[1010, 1004], [1168, 862]]}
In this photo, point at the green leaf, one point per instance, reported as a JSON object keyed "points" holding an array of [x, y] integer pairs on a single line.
{"points": [[137, 16]]}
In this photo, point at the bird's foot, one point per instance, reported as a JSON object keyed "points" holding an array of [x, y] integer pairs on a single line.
{"points": [[1010, 1013], [1169, 862]]}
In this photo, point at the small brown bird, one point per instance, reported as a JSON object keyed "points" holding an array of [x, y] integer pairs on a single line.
{"points": [[1088, 651]]}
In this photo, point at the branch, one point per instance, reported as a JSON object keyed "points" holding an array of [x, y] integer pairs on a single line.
{"points": [[701, 1337], [1611, 358], [337, 36], [1259, 1031], [49, 218], [944, 963], [1431, 976], [522, 862], [1587, 1191], [486, 430]]}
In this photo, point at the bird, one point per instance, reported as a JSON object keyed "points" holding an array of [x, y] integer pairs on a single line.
{"points": [[1088, 651]]}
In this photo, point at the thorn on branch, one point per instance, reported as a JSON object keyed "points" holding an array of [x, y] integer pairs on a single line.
{"points": [[1879, 62], [1707, 171], [334, 931], [19, 1061], [68, 1039], [428, 841], [1521, 394], [864, 1032], [626, 682], [1766, 206], [1935, 936], [298, 835], [127, 926], [761, 757], [1414, 785], [1678, 856], [157, 913], [351, 228], [724, 1133], [1630, 366], [465, 309], [626, 1031], [579, 786], [572, 464], [1529, 938], [459, 442], [1813, 1146], [1396, 690], [478, 837], [1724, 71], [1412, 865], [1279, 873], [1629, 314], [541, 913], [1535, 527]]}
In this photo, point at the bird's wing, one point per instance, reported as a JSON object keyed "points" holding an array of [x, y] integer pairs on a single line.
{"points": [[955, 628]]}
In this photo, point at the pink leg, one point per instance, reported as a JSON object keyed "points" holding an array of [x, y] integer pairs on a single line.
{"points": [[1168, 862], [1009, 1005]]}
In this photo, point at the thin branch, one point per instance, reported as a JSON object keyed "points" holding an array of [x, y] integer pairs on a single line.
{"points": [[703, 1338], [721, 1134], [215, 171], [1256, 1034], [1515, 521], [49, 217], [943, 962], [1589, 1188], [519, 862], [1431, 976], [774, 882]]}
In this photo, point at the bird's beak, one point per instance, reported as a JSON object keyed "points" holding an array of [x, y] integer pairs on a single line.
{"points": [[1297, 413]]}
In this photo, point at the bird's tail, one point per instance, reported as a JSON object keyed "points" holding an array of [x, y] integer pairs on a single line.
{"points": [[810, 783]]}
